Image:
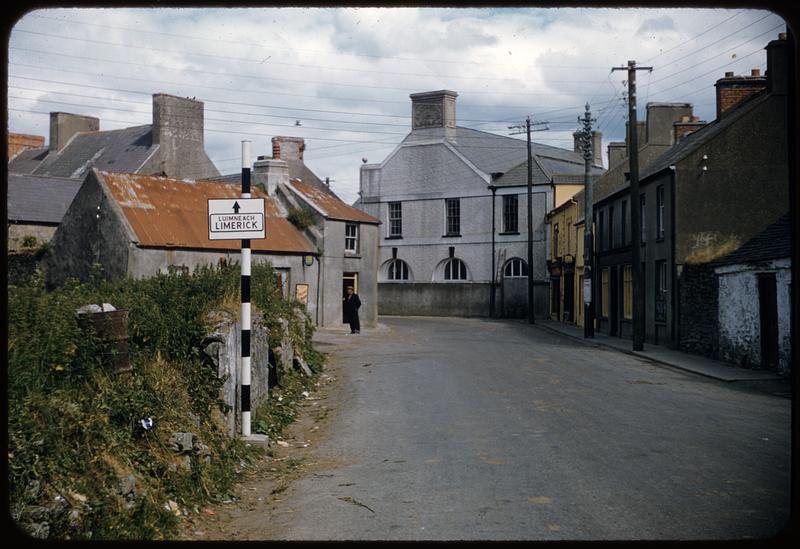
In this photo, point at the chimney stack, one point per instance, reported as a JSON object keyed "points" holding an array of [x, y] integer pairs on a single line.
{"points": [[660, 120], [177, 119], [686, 125], [288, 148], [434, 109], [63, 126], [269, 173], [617, 152], [732, 90], [778, 65], [597, 146]]}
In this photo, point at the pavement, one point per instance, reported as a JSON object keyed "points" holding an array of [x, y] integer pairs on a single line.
{"points": [[696, 364]]}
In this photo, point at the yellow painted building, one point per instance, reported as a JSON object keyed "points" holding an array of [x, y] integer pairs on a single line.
{"points": [[565, 258]]}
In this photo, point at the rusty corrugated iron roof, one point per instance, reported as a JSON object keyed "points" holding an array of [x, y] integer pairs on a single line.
{"points": [[167, 212], [333, 207]]}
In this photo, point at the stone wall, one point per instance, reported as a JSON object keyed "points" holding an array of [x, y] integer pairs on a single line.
{"points": [[698, 305], [434, 299]]}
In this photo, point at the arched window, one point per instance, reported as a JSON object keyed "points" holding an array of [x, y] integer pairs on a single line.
{"points": [[398, 270], [515, 268], [455, 270]]}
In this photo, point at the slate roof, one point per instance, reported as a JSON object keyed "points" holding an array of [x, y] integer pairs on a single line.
{"points": [[330, 204], [696, 139], [122, 150], [774, 242], [167, 212], [27, 161], [493, 153], [39, 199]]}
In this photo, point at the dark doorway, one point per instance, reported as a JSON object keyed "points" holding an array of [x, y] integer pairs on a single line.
{"points": [[348, 279], [613, 302], [768, 319], [555, 297], [569, 300]]}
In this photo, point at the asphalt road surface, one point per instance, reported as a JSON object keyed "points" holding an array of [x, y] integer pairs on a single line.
{"points": [[465, 429]]}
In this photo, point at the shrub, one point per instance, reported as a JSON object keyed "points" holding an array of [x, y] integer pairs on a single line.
{"points": [[74, 428]]}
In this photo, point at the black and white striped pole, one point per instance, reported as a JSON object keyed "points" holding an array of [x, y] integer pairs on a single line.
{"points": [[245, 316]]}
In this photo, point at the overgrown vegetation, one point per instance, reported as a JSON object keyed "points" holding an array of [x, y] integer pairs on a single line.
{"points": [[300, 217], [82, 464]]}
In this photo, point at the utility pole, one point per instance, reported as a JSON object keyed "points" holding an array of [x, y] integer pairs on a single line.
{"points": [[636, 241], [588, 241], [530, 208]]}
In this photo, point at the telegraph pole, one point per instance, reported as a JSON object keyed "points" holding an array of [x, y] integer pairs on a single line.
{"points": [[530, 209], [636, 241], [588, 203]]}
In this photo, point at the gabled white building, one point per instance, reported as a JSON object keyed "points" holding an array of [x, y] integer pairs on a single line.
{"points": [[453, 207]]}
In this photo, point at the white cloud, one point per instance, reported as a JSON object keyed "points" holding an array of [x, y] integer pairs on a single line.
{"points": [[347, 73]]}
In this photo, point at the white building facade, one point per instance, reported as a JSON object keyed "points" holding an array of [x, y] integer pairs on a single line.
{"points": [[453, 225]]}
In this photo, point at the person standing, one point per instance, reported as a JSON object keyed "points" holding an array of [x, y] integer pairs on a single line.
{"points": [[351, 305]]}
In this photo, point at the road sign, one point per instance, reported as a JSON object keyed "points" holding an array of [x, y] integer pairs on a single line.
{"points": [[236, 219]]}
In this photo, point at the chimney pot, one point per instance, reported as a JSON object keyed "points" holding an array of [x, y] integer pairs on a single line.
{"points": [[729, 75], [755, 72], [782, 36]]}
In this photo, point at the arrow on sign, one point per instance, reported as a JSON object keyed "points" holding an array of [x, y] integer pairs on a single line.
{"points": [[236, 207]]}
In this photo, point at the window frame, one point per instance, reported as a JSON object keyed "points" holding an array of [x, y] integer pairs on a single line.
{"points": [[660, 212], [354, 238], [392, 273], [627, 292], [511, 213], [510, 266], [448, 270], [604, 291], [452, 216], [395, 222]]}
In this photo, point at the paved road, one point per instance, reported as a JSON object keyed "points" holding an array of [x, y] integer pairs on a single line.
{"points": [[472, 429]]}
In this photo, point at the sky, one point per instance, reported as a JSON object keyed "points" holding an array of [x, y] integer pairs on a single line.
{"points": [[341, 77]]}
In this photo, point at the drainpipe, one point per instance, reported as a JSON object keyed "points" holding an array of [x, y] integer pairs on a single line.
{"points": [[676, 325], [494, 268]]}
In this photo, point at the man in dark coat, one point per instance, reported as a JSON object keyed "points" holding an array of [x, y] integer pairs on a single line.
{"points": [[351, 305]]}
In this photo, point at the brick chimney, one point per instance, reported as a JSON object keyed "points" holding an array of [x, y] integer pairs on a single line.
{"points": [[778, 65], [63, 126], [288, 148], [434, 109], [177, 119], [270, 172], [732, 90], [18, 142], [685, 126]]}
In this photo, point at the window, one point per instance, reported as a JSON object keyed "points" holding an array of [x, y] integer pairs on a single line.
{"points": [[623, 232], [455, 270], [351, 238], [515, 268], [510, 214], [395, 219], [601, 235], [661, 291], [453, 216], [398, 270], [660, 211], [642, 219], [604, 293], [611, 227], [555, 241], [627, 292]]}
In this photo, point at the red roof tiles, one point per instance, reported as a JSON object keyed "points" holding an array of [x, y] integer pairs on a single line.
{"points": [[331, 205]]}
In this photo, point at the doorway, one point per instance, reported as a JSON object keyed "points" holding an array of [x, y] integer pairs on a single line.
{"points": [[768, 319], [348, 279]]}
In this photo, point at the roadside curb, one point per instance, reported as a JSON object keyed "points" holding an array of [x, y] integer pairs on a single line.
{"points": [[638, 354]]}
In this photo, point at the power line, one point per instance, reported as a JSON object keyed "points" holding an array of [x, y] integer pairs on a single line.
{"points": [[268, 46], [229, 58], [267, 78], [694, 37]]}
